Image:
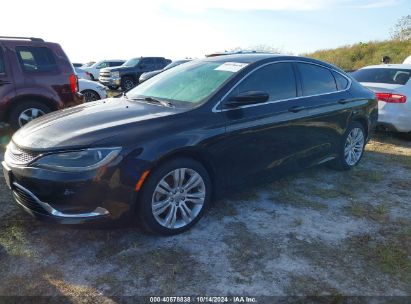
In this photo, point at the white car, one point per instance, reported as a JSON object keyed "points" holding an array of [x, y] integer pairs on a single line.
{"points": [[92, 90], [392, 86], [93, 71], [81, 74], [407, 60]]}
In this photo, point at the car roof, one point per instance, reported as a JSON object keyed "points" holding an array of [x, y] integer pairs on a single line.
{"points": [[257, 57], [388, 66]]}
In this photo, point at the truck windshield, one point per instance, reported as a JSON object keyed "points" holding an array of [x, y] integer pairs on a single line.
{"points": [[131, 62], [188, 84]]}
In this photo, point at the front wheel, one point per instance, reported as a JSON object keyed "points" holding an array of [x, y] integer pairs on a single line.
{"points": [[127, 83], [174, 196], [351, 148], [90, 95]]}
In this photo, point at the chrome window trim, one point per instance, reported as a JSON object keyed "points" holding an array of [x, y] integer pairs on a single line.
{"points": [[215, 110], [99, 211]]}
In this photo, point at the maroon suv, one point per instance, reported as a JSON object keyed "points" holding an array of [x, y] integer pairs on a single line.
{"points": [[36, 77]]}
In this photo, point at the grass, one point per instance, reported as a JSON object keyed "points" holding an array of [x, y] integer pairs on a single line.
{"points": [[378, 213]]}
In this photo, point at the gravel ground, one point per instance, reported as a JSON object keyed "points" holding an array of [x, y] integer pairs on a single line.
{"points": [[319, 232]]}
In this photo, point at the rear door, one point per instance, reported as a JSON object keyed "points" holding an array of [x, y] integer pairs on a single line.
{"points": [[328, 102], [7, 88], [266, 136]]}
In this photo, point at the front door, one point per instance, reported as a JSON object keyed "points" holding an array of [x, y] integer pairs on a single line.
{"points": [[7, 87]]}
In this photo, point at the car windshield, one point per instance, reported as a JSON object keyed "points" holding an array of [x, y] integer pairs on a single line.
{"points": [[188, 84], [383, 75], [131, 62]]}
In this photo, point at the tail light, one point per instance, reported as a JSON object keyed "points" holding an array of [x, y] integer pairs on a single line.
{"points": [[73, 83], [391, 98]]}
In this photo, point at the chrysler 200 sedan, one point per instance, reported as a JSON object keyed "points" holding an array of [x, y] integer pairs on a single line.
{"points": [[160, 152]]}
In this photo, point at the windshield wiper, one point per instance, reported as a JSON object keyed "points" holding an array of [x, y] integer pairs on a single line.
{"points": [[154, 100]]}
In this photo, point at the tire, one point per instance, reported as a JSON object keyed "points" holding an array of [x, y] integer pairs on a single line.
{"points": [[174, 202], [127, 83], [90, 95], [113, 88], [344, 161], [30, 109]]}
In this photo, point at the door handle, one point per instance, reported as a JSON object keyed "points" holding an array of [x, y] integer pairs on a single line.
{"points": [[343, 101], [4, 82], [296, 109]]}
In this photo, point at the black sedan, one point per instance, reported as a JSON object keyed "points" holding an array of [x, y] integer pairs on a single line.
{"points": [[163, 150]]}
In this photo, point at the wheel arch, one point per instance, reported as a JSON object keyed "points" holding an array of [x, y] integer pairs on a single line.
{"points": [[363, 122], [196, 155], [50, 103]]}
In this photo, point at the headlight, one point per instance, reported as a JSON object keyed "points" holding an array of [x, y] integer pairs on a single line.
{"points": [[115, 74], [76, 161]]}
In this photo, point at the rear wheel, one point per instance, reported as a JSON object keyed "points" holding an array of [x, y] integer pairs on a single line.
{"points": [[127, 83], [25, 112], [174, 196], [351, 148]]}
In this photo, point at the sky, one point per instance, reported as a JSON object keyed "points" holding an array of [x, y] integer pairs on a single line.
{"points": [[121, 29]]}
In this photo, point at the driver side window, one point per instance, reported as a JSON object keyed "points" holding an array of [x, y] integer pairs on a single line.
{"points": [[277, 79], [2, 67]]}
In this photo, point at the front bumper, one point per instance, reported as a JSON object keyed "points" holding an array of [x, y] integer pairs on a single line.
{"points": [[69, 198], [110, 81]]}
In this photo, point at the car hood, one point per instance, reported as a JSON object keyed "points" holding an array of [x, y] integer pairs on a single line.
{"points": [[87, 124]]}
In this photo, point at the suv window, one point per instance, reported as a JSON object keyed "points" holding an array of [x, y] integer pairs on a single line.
{"points": [[2, 67], [341, 81], [316, 80], [149, 63], [36, 59], [115, 63], [278, 80]]}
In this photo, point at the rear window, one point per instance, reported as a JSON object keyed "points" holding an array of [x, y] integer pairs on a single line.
{"points": [[342, 82], [36, 59], [379, 75], [2, 69], [316, 80]]}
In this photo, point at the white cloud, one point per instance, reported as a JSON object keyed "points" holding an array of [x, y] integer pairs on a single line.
{"points": [[275, 5]]}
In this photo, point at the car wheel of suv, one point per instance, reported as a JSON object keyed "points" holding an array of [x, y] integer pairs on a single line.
{"points": [[127, 83], [351, 148], [174, 196], [90, 95], [26, 112]]}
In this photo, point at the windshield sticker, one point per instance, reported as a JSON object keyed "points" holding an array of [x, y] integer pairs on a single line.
{"points": [[231, 67]]}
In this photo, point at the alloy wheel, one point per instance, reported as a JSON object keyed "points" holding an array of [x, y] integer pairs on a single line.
{"points": [[90, 96], [28, 115], [128, 84], [178, 198], [354, 146]]}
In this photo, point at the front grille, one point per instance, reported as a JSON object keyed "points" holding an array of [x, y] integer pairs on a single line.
{"points": [[19, 156], [27, 200], [105, 74]]}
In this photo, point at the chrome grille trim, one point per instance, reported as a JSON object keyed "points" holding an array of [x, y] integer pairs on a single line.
{"points": [[18, 156]]}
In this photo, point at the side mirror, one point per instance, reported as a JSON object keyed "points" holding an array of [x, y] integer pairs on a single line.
{"points": [[246, 98]]}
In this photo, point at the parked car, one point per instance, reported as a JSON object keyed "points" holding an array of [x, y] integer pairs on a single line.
{"points": [[128, 75], [407, 60], [92, 90], [392, 86], [81, 74], [148, 75], [36, 78], [161, 151], [94, 70]]}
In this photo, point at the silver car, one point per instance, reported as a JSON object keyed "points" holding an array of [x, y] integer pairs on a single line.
{"points": [[392, 86]]}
